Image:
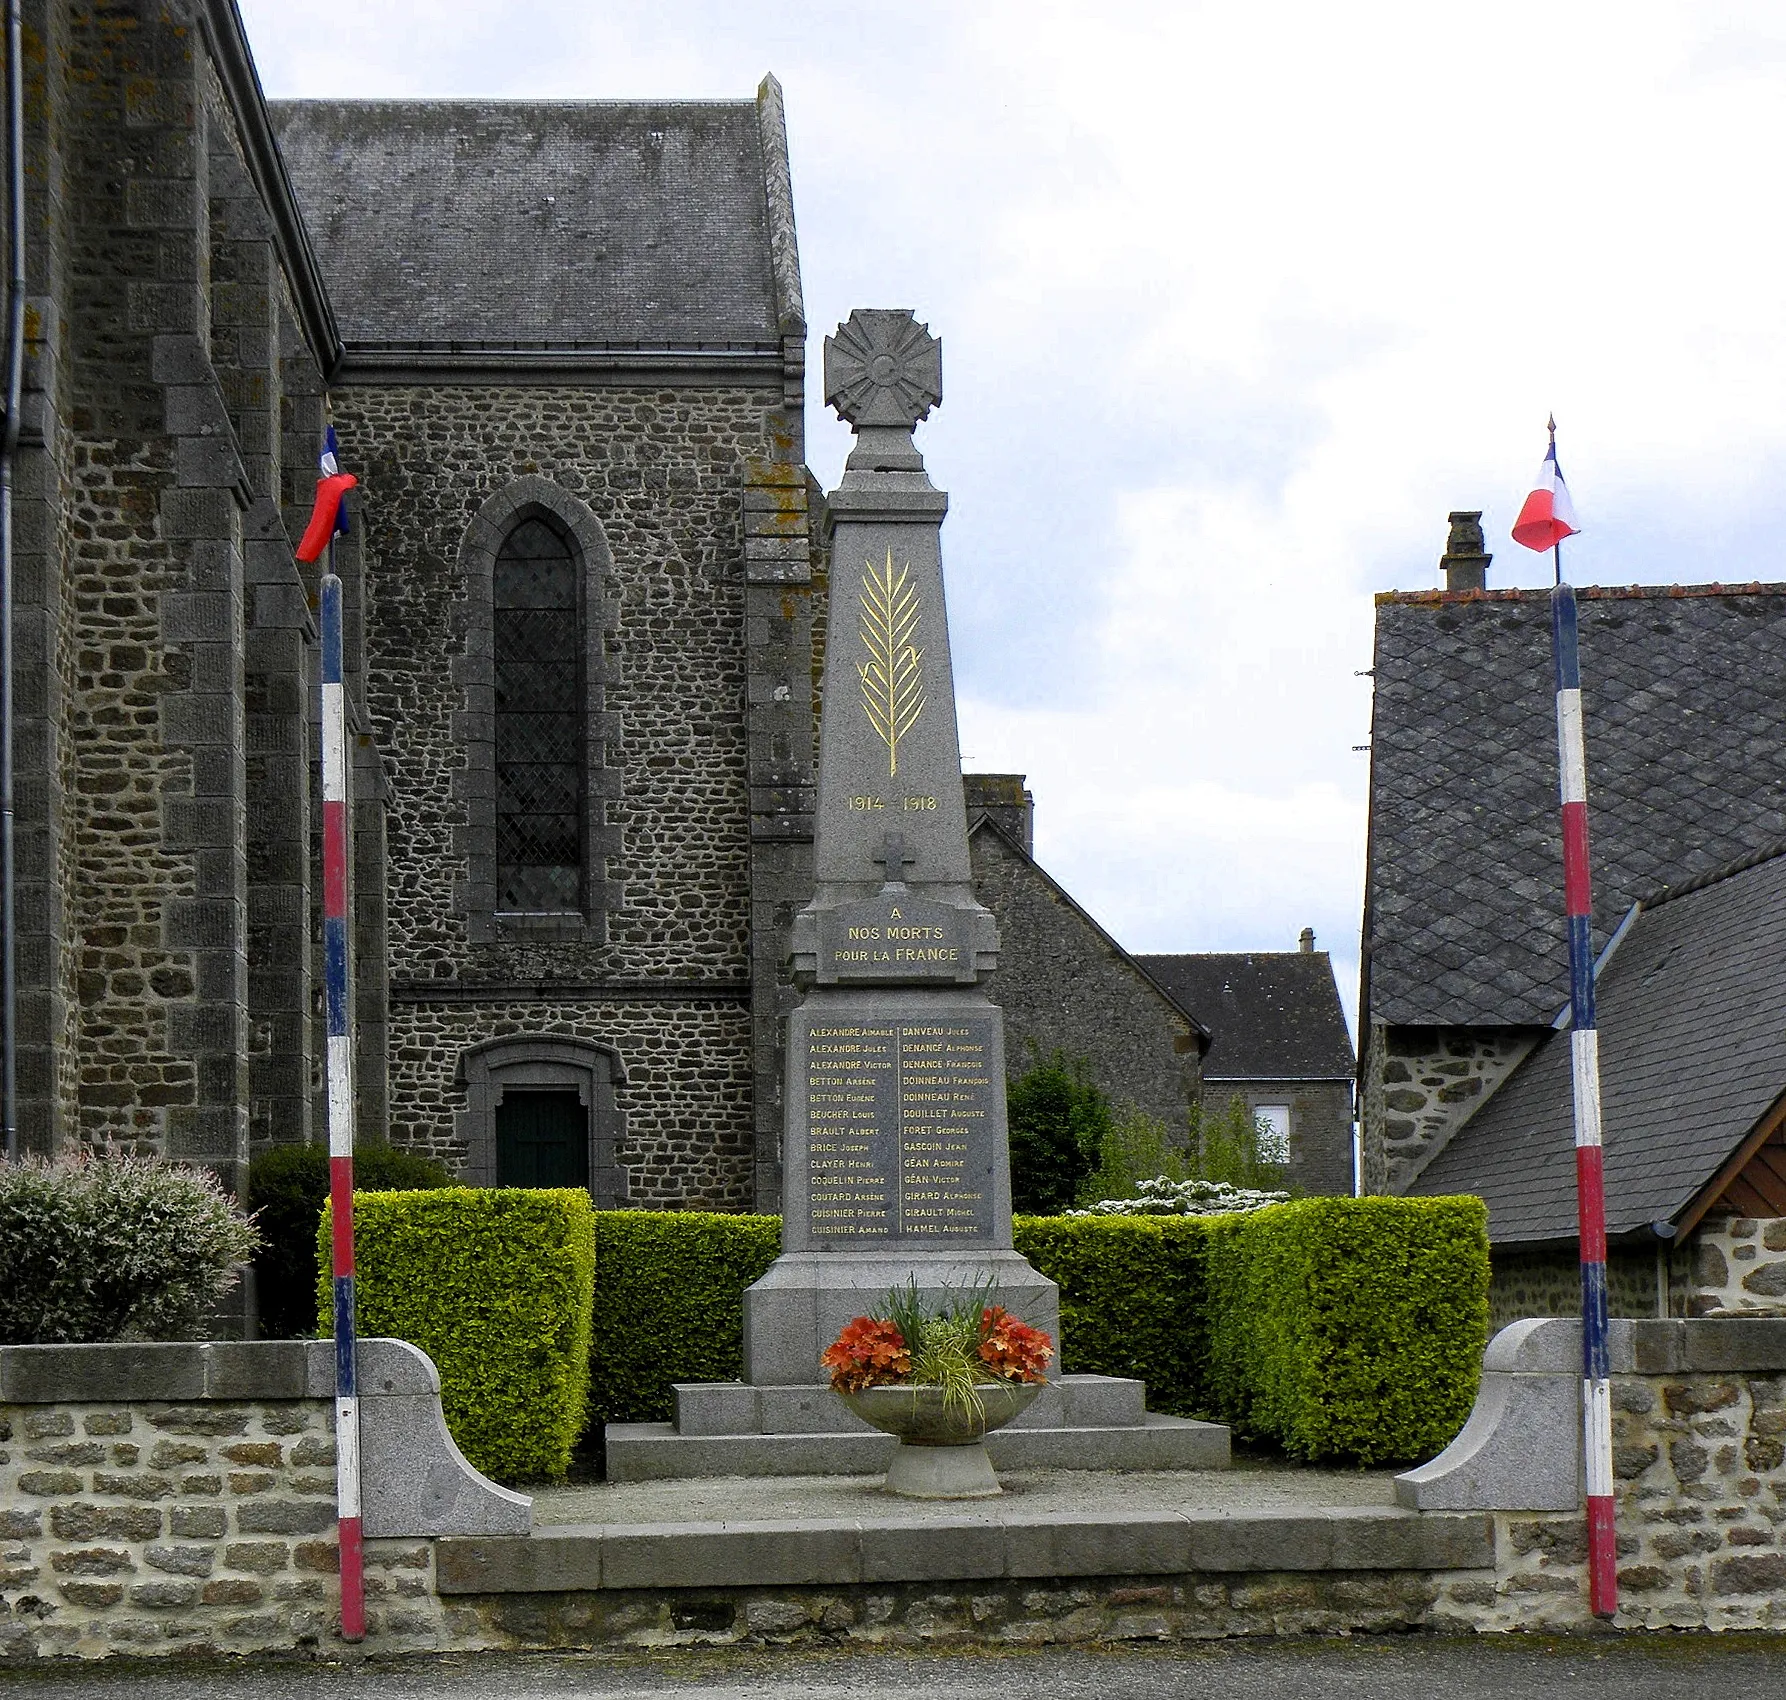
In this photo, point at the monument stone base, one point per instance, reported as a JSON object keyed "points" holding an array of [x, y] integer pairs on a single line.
{"points": [[731, 1428], [802, 1303]]}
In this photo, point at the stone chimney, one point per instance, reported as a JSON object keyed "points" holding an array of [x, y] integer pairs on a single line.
{"points": [[1465, 561], [1005, 801], [1307, 941]]}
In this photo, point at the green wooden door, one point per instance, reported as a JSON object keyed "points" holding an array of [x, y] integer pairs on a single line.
{"points": [[542, 1139]]}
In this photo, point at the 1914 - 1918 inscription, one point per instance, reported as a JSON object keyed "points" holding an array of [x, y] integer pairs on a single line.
{"points": [[901, 1136]]}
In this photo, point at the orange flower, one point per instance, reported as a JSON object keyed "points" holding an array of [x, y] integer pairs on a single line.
{"points": [[868, 1353], [1011, 1349]]}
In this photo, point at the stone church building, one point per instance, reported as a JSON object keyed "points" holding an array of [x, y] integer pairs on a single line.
{"points": [[563, 347]]}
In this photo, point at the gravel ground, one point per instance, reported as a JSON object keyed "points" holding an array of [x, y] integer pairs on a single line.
{"points": [[1603, 1667]]}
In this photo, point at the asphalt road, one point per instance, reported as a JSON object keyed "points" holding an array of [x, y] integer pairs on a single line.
{"points": [[1403, 1668]]}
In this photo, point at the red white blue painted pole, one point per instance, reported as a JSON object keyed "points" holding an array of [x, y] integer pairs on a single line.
{"points": [[340, 1079], [1584, 1053]]}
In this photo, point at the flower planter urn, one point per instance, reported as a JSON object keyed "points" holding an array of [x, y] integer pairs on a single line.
{"points": [[941, 1453]]}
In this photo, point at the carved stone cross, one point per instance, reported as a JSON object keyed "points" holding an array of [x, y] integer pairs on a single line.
{"points": [[895, 858], [883, 373]]}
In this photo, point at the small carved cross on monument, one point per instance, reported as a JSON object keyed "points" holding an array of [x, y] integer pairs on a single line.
{"points": [[895, 858]]}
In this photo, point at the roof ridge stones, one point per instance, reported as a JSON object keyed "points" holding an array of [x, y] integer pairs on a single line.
{"points": [[1587, 592], [1715, 876]]}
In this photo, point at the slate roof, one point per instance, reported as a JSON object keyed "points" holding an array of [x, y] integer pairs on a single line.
{"points": [[1684, 693], [566, 223], [1272, 1015], [1692, 1013]]}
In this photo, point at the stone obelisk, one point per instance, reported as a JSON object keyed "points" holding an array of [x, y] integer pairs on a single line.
{"points": [[895, 1158]]}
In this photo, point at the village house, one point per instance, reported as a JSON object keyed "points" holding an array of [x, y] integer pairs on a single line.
{"points": [[1465, 964]]}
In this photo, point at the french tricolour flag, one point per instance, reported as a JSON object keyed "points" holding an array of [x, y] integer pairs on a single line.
{"points": [[329, 515], [1548, 515]]}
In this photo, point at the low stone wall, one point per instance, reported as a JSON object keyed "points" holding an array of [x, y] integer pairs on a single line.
{"points": [[1699, 1465], [1080, 1610], [181, 1499], [193, 1511]]}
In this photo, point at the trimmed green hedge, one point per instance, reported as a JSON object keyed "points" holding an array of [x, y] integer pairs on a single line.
{"points": [[496, 1287], [287, 1188], [669, 1304], [1335, 1328], [1133, 1299], [1349, 1328]]}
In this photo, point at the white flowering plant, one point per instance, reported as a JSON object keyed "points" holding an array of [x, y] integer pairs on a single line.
{"points": [[1164, 1196]]}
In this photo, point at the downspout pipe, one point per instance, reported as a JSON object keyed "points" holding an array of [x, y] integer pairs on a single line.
{"points": [[9, 448]]}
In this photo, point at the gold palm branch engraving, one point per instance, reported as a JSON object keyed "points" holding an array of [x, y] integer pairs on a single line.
{"points": [[892, 676]]}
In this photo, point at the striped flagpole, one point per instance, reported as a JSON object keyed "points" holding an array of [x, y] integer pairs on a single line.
{"points": [[340, 1074], [1584, 1052]]}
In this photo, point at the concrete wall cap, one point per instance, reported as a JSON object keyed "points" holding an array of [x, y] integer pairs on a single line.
{"points": [[1551, 1345]]}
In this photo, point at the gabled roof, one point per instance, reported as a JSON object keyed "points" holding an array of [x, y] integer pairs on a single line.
{"points": [[985, 823], [564, 224], [1684, 695], [1272, 1015], [1692, 1017]]}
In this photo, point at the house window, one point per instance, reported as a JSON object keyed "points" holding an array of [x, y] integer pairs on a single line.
{"points": [[537, 622], [1273, 1122]]}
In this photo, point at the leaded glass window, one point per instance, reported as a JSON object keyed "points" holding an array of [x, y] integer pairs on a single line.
{"points": [[539, 723]]}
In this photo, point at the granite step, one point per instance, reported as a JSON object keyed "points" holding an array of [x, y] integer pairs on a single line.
{"points": [[735, 1407], [657, 1452]]}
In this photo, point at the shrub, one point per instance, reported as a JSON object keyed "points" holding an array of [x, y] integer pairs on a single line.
{"points": [[1349, 1328], [287, 1188], [1132, 1299], [113, 1248], [669, 1304], [1059, 1121], [1225, 1147], [1137, 1148], [495, 1286]]}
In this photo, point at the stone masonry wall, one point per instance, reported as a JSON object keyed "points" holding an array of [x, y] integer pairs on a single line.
{"points": [[159, 1528], [1547, 1282], [663, 473], [1735, 1266], [1420, 1085], [1062, 983], [186, 1529], [1320, 1126], [1700, 1473], [685, 1106], [155, 566]]}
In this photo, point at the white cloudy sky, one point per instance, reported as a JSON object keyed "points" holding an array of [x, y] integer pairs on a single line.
{"points": [[1237, 301]]}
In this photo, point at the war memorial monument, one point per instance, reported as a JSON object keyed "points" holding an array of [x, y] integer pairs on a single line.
{"points": [[895, 1151]]}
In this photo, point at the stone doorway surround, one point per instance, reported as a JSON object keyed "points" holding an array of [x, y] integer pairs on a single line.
{"points": [[536, 1063]]}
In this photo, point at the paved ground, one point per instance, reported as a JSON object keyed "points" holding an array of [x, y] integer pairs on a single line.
{"points": [[757, 1498], [1657, 1667]]}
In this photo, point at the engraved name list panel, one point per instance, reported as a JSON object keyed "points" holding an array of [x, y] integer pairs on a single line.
{"points": [[901, 1129]]}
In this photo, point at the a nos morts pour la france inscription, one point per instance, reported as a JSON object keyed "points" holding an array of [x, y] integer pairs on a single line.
{"points": [[901, 1137]]}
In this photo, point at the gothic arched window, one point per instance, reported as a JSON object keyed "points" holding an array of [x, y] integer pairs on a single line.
{"points": [[540, 722], [540, 747]]}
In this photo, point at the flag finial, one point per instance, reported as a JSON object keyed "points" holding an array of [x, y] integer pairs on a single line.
{"points": [[1551, 426]]}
